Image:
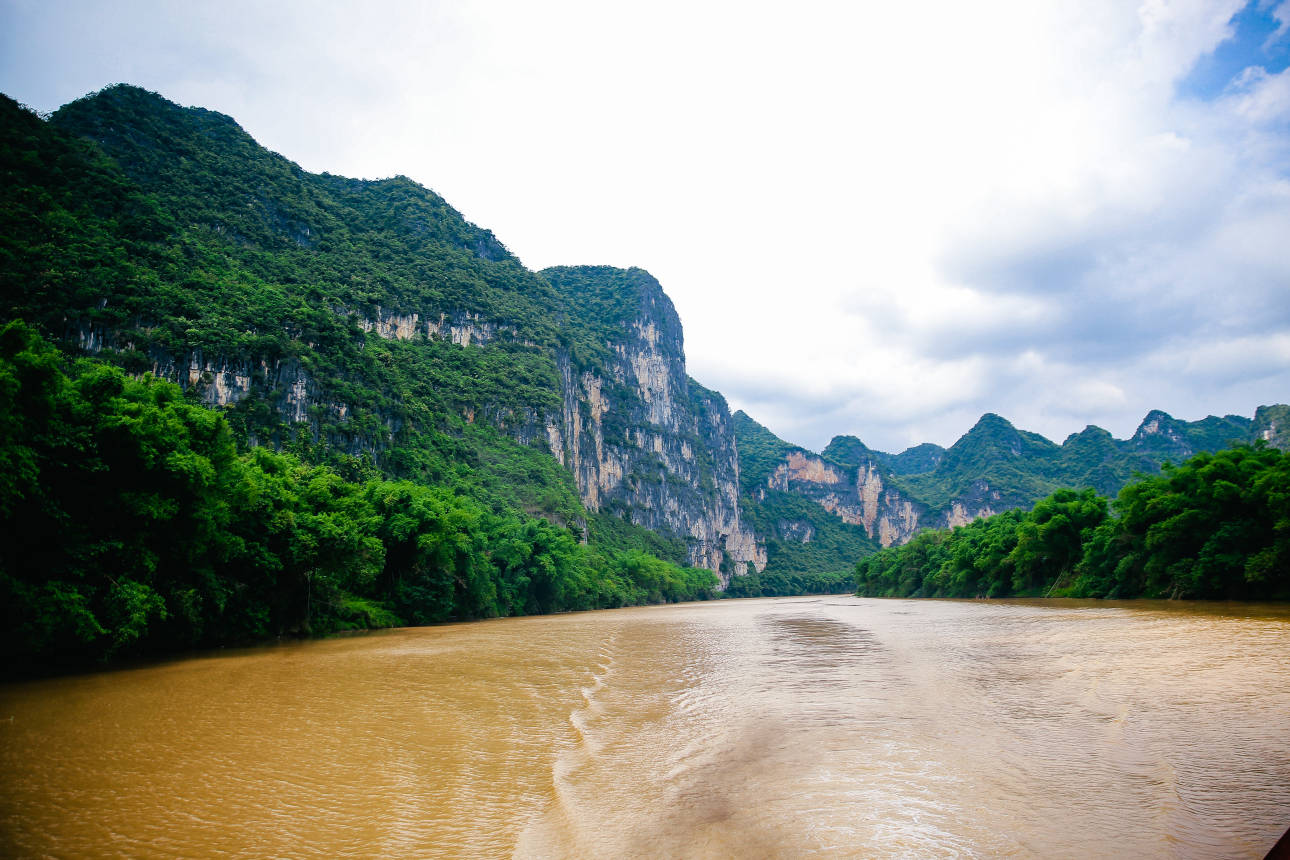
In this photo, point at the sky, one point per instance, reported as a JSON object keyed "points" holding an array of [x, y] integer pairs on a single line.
{"points": [[876, 219]]}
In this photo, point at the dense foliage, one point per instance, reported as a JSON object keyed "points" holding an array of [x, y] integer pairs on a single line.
{"points": [[1023, 467], [134, 525], [773, 583], [1215, 527], [152, 235], [607, 300], [163, 240]]}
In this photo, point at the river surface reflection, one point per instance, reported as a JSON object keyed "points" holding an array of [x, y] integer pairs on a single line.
{"points": [[756, 728]]}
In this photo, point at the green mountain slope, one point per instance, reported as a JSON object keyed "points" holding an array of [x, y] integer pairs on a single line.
{"points": [[913, 461], [1022, 467], [1163, 437], [367, 329], [1016, 464], [994, 467], [196, 255], [368, 334]]}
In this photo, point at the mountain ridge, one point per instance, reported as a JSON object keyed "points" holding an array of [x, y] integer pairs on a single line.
{"points": [[993, 467], [366, 325]]}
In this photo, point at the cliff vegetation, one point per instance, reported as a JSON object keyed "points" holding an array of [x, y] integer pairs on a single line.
{"points": [[134, 525], [993, 468], [347, 365], [241, 400], [1216, 527]]}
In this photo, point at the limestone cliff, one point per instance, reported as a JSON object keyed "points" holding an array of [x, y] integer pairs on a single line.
{"points": [[863, 493], [642, 439], [460, 327], [994, 467], [1272, 425], [220, 381]]}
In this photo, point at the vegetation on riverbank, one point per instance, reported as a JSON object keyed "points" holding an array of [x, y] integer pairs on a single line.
{"points": [[775, 583], [135, 525], [1215, 527]]}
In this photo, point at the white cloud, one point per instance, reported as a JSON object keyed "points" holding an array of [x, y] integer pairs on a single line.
{"points": [[1262, 98]]}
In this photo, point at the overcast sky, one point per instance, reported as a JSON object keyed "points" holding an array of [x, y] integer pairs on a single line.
{"points": [[875, 219]]}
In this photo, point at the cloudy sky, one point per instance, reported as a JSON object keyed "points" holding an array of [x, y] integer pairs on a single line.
{"points": [[877, 219]]}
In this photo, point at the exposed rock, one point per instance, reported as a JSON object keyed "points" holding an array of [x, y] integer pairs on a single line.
{"points": [[296, 397], [1272, 425], [864, 494], [221, 384], [799, 530], [394, 326], [1161, 431], [980, 500], [858, 494], [798, 467], [645, 467], [88, 339], [460, 327]]}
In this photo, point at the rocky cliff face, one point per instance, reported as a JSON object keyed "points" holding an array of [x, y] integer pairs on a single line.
{"points": [[1272, 425], [863, 494], [461, 328], [219, 382], [646, 442], [641, 439]]}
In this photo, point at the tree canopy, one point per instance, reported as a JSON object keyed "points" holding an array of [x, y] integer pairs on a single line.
{"points": [[136, 526], [1215, 527]]}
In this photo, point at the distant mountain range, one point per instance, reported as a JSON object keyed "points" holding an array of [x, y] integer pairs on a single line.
{"points": [[366, 326], [794, 497]]}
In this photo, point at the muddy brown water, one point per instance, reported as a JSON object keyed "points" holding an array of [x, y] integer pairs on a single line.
{"points": [[754, 728]]}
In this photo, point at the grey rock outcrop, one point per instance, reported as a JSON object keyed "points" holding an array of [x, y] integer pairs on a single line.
{"points": [[864, 494], [646, 442], [1272, 425]]}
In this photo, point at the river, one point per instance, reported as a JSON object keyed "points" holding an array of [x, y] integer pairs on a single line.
{"points": [[833, 727]]}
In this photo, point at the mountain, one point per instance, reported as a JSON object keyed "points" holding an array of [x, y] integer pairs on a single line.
{"points": [[644, 441], [365, 325], [1272, 425], [911, 461], [1163, 437], [994, 467]]}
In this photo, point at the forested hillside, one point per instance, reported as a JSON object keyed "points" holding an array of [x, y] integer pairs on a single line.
{"points": [[236, 277], [242, 400], [993, 468], [1215, 527], [360, 324], [133, 524], [203, 338]]}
